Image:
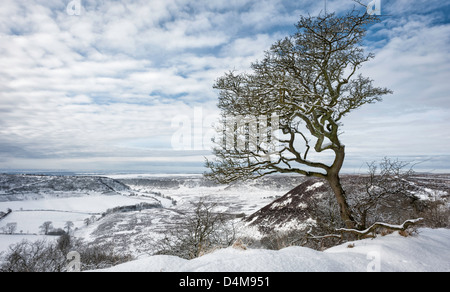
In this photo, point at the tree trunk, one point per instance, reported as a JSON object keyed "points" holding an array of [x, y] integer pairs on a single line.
{"points": [[335, 183], [344, 208]]}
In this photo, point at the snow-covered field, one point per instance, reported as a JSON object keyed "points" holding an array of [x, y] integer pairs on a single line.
{"points": [[429, 251], [29, 215]]}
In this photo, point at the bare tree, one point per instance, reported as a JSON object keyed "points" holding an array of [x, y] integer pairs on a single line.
{"points": [[46, 227], [10, 228], [385, 185], [93, 219], [199, 231], [309, 81], [68, 226]]}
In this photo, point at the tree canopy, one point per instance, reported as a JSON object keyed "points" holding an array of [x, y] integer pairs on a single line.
{"points": [[307, 83]]}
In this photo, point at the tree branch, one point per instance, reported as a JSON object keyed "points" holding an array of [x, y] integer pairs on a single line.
{"points": [[374, 226]]}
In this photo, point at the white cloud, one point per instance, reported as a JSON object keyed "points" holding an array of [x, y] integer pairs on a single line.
{"points": [[415, 64], [75, 88]]}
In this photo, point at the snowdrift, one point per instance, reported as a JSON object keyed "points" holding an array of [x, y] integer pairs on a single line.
{"points": [[428, 251]]}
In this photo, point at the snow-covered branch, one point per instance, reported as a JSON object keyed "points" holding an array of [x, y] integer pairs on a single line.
{"points": [[376, 225]]}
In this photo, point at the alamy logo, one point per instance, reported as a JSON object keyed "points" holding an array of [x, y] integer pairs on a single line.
{"points": [[74, 8], [233, 133], [251, 133], [75, 262], [374, 7], [374, 256]]}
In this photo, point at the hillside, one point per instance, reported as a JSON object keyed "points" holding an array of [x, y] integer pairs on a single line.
{"points": [[34, 199], [16, 187], [429, 251], [293, 210], [312, 204], [131, 215]]}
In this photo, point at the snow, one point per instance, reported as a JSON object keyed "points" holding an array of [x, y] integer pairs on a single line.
{"points": [[429, 251], [29, 221], [32, 213], [314, 186], [88, 204], [151, 175], [302, 206], [281, 204], [136, 232], [295, 224], [381, 224], [429, 194]]}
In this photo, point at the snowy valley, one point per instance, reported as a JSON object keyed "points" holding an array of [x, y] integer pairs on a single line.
{"points": [[133, 213]]}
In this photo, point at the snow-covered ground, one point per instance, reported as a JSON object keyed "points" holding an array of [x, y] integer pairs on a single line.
{"points": [[74, 199], [429, 251], [245, 197], [137, 233], [35, 201], [30, 214]]}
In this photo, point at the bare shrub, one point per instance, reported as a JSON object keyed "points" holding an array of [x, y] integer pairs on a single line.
{"points": [[37, 256], [198, 232], [383, 194], [101, 257], [43, 256], [436, 213], [279, 240]]}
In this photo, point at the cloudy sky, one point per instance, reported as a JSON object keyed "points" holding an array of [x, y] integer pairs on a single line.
{"points": [[105, 86]]}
